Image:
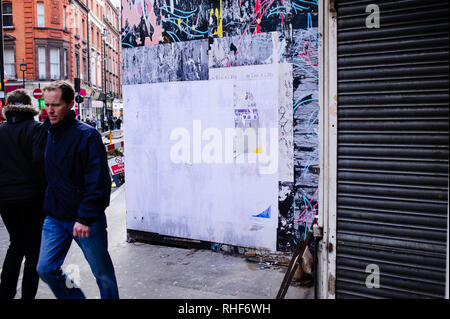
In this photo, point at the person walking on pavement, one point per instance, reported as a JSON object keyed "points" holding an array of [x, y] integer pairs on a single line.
{"points": [[118, 123], [22, 186], [94, 122], [110, 123], [78, 192]]}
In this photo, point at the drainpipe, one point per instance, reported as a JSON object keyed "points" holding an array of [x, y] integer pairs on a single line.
{"points": [[2, 67], [88, 33], [88, 48]]}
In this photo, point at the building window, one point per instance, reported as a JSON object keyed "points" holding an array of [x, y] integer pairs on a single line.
{"points": [[84, 77], [7, 14], [42, 63], [40, 14], [94, 71], [10, 63], [55, 64], [66, 64], [83, 29], [99, 74], [64, 17]]}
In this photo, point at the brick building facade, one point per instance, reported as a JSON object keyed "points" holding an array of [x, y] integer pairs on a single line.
{"points": [[64, 39]]}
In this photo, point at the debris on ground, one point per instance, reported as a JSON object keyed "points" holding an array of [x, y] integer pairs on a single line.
{"points": [[131, 240], [191, 251], [278, 260], [253, 259]]}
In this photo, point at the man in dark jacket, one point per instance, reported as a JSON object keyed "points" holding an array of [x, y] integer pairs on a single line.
{"points": [[78, 191], [110, 123], [118, 123], [22, 186]]}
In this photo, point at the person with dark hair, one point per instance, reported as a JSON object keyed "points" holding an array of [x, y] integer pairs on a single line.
{"points": [[118, 123], [94, 122], [110, 123], [22, 186], [78, 192]]}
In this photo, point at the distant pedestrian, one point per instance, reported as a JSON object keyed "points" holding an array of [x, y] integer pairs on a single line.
{"points": [[110, 123], [118, 123], [22, 186], [94, 122], [78, 192]]}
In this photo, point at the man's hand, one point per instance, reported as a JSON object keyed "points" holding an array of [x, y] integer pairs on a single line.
{"points": [[80, 230]]}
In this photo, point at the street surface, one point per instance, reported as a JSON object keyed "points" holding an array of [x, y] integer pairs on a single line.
{"points": [[147, 271]]}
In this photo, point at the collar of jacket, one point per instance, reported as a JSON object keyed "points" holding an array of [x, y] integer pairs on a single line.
{"points": [[67, 121], [17, 117], [16, 110]]}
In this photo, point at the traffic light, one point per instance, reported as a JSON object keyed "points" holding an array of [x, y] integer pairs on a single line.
{"points": [[77, 84], [41, 104]]}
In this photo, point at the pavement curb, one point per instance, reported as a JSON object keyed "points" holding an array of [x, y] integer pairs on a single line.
{"points": [[116, 193]]}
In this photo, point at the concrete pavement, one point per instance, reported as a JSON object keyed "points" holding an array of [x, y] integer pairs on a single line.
{"points": [[147, 271]]}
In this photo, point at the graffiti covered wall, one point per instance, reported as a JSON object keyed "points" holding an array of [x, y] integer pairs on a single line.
{"points": [[173, 40]]}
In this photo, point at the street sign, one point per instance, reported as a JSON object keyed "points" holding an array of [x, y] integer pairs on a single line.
{"points": [[37, 94], [117, 165], [79, 99]]}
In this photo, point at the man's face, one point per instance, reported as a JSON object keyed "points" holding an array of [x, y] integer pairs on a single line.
{"points": [[56, 108]]}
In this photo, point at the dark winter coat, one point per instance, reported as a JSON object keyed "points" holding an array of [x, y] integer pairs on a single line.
{"points": [[22, 144], [76, 167], [118, 123]]}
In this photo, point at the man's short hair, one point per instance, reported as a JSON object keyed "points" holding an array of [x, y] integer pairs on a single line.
{"points": [[19, 96], [68, 92]]}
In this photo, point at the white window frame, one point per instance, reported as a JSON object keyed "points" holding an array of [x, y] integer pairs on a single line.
{"points": [[42, 63], [94, 72], [99, 73], [64, 17], [85, 66], [40, 12], [66, 64], [55, 64], [9, 58], [8, 13]]}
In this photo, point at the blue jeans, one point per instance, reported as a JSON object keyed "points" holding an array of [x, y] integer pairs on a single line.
{"points": [[57, 236]]}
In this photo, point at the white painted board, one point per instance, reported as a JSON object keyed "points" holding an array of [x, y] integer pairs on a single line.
{"points": [[231, 203]]}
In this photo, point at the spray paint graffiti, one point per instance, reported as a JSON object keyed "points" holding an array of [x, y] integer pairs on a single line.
{"points": [[148, 22], [172, 40]]}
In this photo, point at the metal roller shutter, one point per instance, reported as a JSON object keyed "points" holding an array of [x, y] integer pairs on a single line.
{"points": [[393, 112]]}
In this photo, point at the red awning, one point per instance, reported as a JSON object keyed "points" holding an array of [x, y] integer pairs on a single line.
{"points": [[10, 88]]}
